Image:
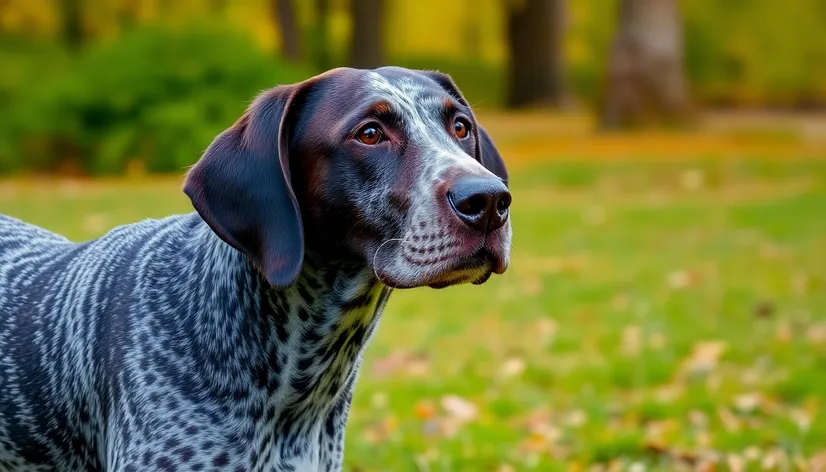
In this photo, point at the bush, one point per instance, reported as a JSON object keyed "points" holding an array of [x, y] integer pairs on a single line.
{"points": [[155, 97]]}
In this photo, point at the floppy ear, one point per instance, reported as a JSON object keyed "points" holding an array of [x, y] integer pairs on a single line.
{"points": [[489, 155], [485, 150], [241, 188]]}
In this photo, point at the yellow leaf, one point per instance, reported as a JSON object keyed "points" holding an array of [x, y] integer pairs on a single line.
{"points": [[424, 410]]}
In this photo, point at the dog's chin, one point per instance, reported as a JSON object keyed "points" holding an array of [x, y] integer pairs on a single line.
{"points": [[475, 269]]}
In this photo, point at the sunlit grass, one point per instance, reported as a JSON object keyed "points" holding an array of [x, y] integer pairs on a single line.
{"points": [[669, 312]]}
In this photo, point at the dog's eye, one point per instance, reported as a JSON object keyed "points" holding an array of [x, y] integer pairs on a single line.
{"points": [[461, 128], [369, 135]]}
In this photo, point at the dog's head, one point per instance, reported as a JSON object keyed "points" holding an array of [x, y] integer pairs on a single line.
{"points": [[387, 167]]}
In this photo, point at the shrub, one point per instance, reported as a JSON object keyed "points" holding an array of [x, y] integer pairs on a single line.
{"points": [[155, 97]]}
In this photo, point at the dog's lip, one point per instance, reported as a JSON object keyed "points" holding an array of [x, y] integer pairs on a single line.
{"points": [[484, 278], [483, 260], [472, 265]]}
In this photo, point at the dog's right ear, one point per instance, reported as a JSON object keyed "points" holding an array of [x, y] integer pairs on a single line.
{"points": [[241, 187]]}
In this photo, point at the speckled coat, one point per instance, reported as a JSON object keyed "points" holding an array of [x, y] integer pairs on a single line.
{"points": [[192, 362]]}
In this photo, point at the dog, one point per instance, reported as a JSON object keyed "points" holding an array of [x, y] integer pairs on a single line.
{"points": [[230, 338]]}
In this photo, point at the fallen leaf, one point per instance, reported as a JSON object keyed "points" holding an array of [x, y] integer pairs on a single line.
{"points": [[783, 332], [381, 431], [656, 431], [698, 419], [735, 463], [94, 222], [459, 408], [752, 453], [379, 400], [730, 422], [692, 179], [679, 279], [764, 309], [705, 466], [747, 403], [546, 328], [800, 284], [771, 251], [512, 367], [576, 418], [424, 410], [801, 418], [703, 438], [401, 362], [775, 459], [636, 467], [631, 340], [657, 341], [532, 285], [817, 463], [704, 357], [621, 302], [816, 333]]}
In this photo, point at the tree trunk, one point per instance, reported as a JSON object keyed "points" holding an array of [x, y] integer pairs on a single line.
{"points": [[71, 17], [127, 15], [646, 82], [284, 12], [320, 36], [534, 34], [218, 6], [367, 43]]}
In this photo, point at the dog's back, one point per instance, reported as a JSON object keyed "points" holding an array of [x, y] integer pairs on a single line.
{"points": [[59, 306]]}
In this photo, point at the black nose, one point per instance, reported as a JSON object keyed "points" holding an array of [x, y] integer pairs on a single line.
{"points": [[481, 202]]}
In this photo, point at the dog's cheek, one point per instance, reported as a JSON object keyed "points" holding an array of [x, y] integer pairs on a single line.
{"points": [[316, 186]]}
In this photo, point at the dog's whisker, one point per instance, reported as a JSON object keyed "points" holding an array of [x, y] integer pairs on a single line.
{"points": [[376, 255]]}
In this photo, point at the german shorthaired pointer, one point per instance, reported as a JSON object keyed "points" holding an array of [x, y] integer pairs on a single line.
{"points": [[230, 338]]}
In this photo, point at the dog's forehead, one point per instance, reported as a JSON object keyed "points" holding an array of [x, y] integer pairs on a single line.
{"points": [[406, 90]]}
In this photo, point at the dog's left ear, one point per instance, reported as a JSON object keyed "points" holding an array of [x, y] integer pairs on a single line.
{"points": [[485, 149], [241, 187]]}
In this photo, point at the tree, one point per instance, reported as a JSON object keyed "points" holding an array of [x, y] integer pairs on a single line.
{"points": [[534, 39], [284, 13], [645, 79], [319, 46], [218, 6], [71, 20], [367, 41]]}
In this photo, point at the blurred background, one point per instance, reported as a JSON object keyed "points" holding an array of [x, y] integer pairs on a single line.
{"points": [[666, 304]]}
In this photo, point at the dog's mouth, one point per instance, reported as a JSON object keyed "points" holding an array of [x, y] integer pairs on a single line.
{"points": [[440, 264], [476, 268]]}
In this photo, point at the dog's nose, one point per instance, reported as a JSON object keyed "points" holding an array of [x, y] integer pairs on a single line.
{"points": [[480, 202]]}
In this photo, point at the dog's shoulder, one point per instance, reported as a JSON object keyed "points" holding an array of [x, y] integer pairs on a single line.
{"points": [[14, 229]]}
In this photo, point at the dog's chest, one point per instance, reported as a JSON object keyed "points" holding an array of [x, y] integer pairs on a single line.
{"points": [[295, 415]]}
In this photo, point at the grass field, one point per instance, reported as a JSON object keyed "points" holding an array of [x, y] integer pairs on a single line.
{"points": [[665, 310]]}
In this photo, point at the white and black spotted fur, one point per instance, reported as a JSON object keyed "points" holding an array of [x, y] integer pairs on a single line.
{"points": [[230, 338]]}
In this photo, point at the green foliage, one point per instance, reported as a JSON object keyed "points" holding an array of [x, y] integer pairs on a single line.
{"points": [[155, 97], [751, 53]]}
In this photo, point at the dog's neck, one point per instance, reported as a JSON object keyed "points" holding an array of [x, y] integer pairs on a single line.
{"points": [[300, 345]]}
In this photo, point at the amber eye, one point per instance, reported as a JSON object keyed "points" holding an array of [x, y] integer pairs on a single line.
{"points": [[461, 128], [369, 135]]}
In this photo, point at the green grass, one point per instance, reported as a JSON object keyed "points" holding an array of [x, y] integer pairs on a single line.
{"points": [[662, 312]]}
